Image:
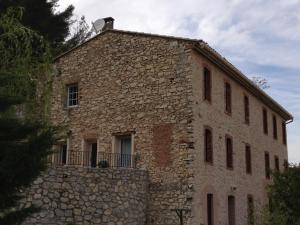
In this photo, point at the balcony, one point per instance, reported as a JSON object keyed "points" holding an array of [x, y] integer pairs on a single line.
{"points": [[93, 159]]}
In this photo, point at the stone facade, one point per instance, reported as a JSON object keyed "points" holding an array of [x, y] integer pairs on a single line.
{"points": [[70, 195], [150, 87]]}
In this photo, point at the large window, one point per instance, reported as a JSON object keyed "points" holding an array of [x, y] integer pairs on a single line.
{"points": [[267, 165], [210, 209], [246, 109], [265, 121], [276, 162], [60, 157], [274, 127], [248, 159], [227, 98], [229, 153], [207, 84], [123, 151], [72, 95], [208, 145]]}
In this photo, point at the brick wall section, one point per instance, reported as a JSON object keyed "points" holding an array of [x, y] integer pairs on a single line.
{"points": [[162, 141], [216, 178], [134, 83], [89, 196]]}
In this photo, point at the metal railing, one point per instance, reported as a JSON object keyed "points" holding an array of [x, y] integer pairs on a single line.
{"points": [[93, 159]]}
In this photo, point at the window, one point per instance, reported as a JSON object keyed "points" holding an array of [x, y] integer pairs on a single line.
{"points": [[250, 206], [207, 84], [265, 121], [274, 127], [248, 160], [283, 133], [60, 157], [72, 98], [208, 145], [276, 161], [229, 153], [231, 210], [227, 98], [90, 154], [267, 165], [123, 151], [210, 209], [246, 109]]}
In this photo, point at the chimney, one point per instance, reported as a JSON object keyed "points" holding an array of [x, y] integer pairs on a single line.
{"points": [[109, 23]]}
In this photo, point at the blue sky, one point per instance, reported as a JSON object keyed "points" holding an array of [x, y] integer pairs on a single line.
{"points": [[260, 37]]}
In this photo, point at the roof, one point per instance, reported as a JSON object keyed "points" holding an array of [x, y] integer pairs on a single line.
{"points": [[212, 55]]}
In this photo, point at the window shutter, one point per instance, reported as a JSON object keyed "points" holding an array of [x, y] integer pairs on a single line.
{"points": [[274, 127], [267, 165], [248, 160], [246, 109], [229, 153], [284, 133], [227, 97], [265, 121], [207, 84], [208, 146]]}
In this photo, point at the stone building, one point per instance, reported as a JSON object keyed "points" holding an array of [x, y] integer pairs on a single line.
{"points": [[204, 134]]}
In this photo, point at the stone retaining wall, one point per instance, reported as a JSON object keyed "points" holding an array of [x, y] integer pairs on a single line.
{"points": [[70, 195]]}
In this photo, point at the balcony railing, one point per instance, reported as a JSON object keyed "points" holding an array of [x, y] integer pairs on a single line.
{"points": [[93, 159]]}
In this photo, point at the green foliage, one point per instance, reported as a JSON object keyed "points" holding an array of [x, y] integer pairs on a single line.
{"points": [[25, 141], [43, 17], [284, 197]]}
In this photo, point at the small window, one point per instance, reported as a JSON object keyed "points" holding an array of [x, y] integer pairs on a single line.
{"points": [[208, 145], [246, 109], [229, 153], [207, 84], [267, 165], [250, 206], [283, 133], [227, 98], [72, 95], [210, 209], [248, 160], [274, 127], [276, 161], [231, 210], [265, 121]]}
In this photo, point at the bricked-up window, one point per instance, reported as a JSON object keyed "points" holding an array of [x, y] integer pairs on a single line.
{"points": [[283, 133], [265, 120], [276, 161], [229, 153], [72, 94], [231, 210], [207, 84], [246, 109], [248, 159], [274, 127], [208, 145], [267, 165], [227, 98], [250, 209], [210, 209]]}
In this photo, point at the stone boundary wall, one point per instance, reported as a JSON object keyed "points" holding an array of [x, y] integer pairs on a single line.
{"points": [[87, 196]]}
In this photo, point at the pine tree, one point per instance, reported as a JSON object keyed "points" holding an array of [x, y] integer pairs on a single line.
{"points": [[25, 138], [43, 17]]}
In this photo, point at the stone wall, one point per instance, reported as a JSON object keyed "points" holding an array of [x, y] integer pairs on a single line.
{"points": [[89, 196]]}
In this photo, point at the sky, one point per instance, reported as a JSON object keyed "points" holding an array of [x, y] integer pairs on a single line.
{"points": [[260, 37]]}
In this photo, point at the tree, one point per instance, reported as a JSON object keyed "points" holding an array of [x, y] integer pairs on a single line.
{"points": [[284, 195], [260, 82], [25, 140], [284, 199], [42, 16]]}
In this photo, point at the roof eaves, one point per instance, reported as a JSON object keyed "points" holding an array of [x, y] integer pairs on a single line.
{"points": [[238, 76]]}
